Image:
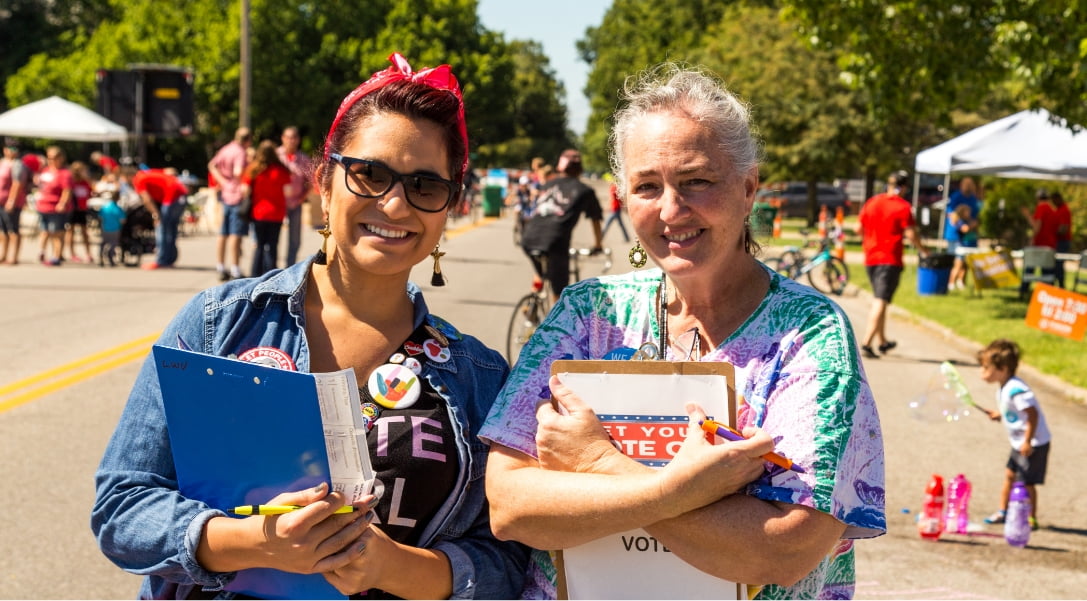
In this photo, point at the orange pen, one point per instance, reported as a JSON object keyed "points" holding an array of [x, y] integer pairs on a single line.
{"points": [[729, 434]]}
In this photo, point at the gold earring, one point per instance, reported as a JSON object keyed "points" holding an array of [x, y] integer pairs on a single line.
{"points": [[322, 255], [437, 279], [637, 256]]}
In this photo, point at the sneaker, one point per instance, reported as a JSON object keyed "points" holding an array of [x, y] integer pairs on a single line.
{"points": [[996, 518], [869, 353], [150, 266], [886, 346], [1033, 523]]}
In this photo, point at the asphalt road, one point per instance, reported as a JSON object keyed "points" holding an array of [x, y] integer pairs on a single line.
{"points": [[72, 336]]}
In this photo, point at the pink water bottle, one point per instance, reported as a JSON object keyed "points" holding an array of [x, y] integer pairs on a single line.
{"points": [[930, 524], [958, 505]]}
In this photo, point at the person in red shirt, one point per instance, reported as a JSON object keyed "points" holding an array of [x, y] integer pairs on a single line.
{"points": [[163, 197], [1043, 220], [885, 221], [1064, 231], [53, 203], [82, 188], [104, 162], [269, 184], [301, 170]]}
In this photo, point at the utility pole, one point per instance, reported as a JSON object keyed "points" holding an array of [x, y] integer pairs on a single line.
{"points": [[247, 71]]}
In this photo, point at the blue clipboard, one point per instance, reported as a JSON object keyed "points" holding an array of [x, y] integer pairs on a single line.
{"points": [[241, 433]]}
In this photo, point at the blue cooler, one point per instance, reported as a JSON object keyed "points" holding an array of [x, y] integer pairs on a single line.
{"points": [[933, 273]]}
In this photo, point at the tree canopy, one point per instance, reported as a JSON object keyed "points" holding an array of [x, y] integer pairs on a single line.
{"points": [[306, 56]]}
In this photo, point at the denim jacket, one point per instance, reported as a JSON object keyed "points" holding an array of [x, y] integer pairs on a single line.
{"points": [[144, 524]]}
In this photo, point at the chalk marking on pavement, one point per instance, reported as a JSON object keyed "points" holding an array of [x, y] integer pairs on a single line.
{"points": [[76, 371]]}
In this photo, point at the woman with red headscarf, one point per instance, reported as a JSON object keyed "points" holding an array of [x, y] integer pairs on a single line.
{"points": [[392, 168]]}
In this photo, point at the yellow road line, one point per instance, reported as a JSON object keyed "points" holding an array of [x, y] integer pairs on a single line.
{"points": [[450, 234], [91, 366]]}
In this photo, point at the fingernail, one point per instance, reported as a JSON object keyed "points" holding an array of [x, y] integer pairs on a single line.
{"points": [[319, 488]]}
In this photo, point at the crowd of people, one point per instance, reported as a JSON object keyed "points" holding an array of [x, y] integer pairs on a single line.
{"points": [[84, 209]]}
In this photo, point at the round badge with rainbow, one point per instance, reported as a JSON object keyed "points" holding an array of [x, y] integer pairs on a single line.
{"points": [[394, 386]]}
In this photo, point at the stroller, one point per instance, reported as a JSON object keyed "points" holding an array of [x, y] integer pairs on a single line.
{"points": [[137, 235]]}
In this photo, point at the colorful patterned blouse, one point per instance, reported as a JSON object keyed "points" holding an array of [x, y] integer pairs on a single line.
{"points": [[798, 373]]}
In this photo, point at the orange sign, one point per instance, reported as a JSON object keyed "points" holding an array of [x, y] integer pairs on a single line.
{"points": [[1058, 311]]}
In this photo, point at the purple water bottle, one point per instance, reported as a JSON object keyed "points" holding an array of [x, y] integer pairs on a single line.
{"points": [[1017, 520], [958, 505]]}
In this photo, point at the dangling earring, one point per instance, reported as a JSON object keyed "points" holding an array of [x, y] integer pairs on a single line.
{"points": [[437, 279], [637, 256], [322, 255]]}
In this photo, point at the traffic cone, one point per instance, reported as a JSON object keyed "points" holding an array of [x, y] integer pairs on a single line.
{"points": [[839, 243], [839, 233], [823, 222], [777, 224]]}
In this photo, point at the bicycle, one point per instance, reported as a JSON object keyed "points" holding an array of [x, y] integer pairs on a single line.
{"points": [[533, 307], [826, 273]]}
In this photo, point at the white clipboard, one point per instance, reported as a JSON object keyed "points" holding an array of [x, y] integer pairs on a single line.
{"points": [[641, 404]]}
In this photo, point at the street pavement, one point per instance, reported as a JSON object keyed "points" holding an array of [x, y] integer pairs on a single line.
{"points": [[71, 335]]}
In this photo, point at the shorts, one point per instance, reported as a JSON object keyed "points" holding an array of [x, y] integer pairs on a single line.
{"points": [[1031, 470], [77, 217], [884, 279], [233, 222], [9, 221], [53, 223]]}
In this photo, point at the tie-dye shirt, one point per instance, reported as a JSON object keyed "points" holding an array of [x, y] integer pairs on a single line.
{"points": [[800, 378]]}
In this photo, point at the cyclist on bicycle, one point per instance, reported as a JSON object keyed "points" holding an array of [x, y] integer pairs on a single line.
{"points": [[547, 233]]}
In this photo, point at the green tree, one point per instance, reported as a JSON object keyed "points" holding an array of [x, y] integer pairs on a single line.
{"points": [[812, 125], [634, 35], [306, 57], [539, 113]]}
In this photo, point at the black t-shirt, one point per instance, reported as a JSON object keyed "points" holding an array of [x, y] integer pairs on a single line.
{"points": [[414, 456], [560, 203]]}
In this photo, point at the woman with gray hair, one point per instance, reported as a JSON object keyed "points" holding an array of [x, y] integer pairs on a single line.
{"points": [[686, 165]]}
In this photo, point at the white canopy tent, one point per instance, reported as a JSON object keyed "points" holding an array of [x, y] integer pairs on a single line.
{"points": [[1029, 144], [55, 118]]}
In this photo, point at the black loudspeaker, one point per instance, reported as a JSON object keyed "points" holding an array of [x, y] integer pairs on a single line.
{"points": [[168, 104], [167, 96], [117, 97]]}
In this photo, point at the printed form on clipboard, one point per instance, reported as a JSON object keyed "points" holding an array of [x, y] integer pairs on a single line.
{"points": [[641, 404]]}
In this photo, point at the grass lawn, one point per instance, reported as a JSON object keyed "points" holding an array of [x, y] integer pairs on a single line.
{"points": [[992, 314], [978, 317]]}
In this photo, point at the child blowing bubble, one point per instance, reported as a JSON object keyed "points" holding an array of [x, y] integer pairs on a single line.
{"points": [[1018, 409]]}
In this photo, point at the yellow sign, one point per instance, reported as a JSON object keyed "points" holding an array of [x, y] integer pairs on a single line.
{"points": [[167, 93], [1057, 311], [993, 270]]}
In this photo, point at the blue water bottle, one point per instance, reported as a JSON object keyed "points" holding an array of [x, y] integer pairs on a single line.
{"points": [[1017, 520]]}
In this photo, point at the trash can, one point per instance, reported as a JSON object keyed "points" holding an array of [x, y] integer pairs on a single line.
{"points": [[762, 219], [492, 201], [933, 273]]}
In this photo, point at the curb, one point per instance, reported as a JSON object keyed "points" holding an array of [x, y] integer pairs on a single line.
{"points": [[1073, 393]]}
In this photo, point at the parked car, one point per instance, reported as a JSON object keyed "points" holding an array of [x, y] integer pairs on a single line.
{"points": [[791, 198]]}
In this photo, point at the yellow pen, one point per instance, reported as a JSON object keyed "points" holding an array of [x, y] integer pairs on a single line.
{"points": [[279, 509]]}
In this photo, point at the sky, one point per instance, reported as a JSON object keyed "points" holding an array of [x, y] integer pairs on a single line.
{"points": [[557, 25]]}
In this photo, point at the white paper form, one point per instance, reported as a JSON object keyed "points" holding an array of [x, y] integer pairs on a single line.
{"points": [[345, 434]]}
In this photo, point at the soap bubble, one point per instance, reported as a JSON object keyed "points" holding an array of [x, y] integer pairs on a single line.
{"points": [[941, 401]]}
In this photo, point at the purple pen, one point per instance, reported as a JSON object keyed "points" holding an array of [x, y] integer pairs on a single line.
{"points": [[728, 433]]}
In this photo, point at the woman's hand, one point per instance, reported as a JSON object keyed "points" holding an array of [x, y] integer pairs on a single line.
{"points": [[303, 541], [361, 566], [569, 436], [299, 541], [703, 472]]}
